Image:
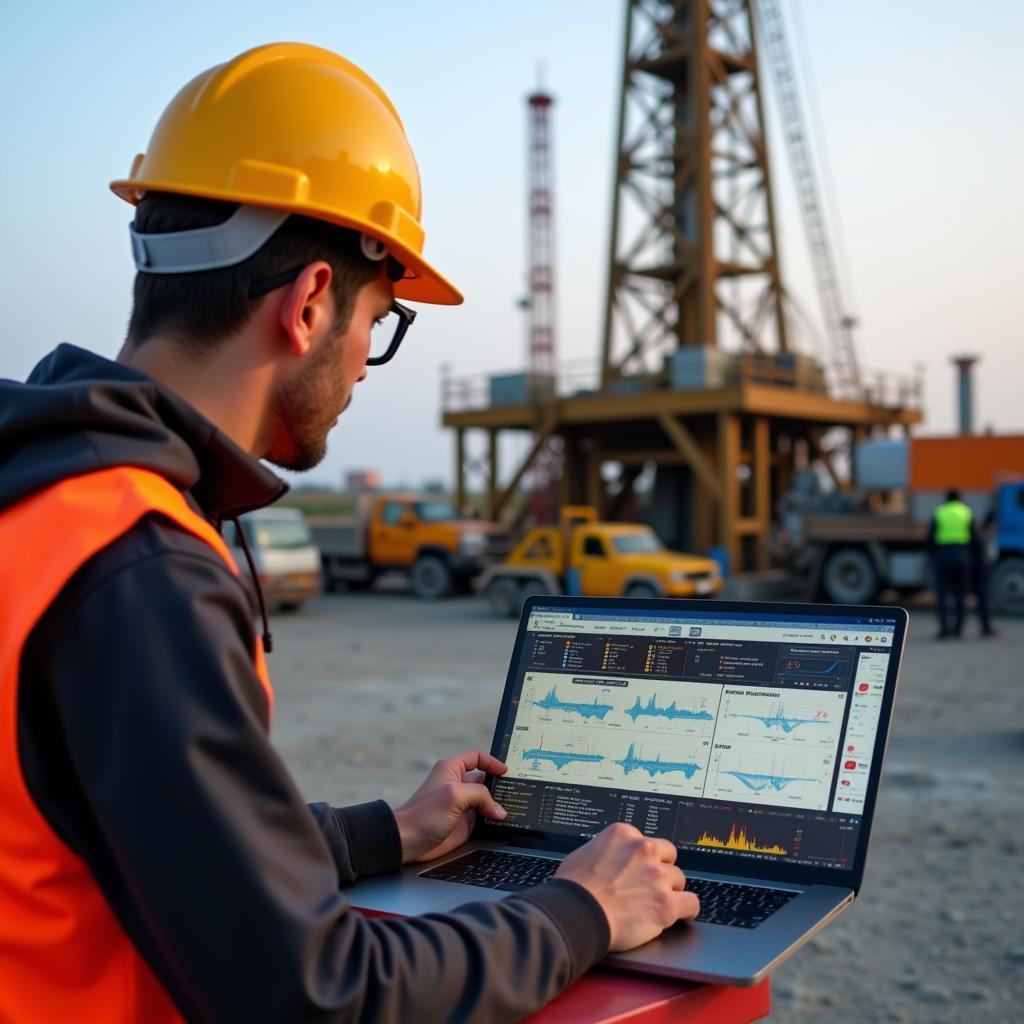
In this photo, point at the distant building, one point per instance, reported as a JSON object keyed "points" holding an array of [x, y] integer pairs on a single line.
{"points": [[362, 480]]}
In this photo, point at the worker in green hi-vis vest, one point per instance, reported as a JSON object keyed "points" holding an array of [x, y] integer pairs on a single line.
{"points": [[953, 539]]}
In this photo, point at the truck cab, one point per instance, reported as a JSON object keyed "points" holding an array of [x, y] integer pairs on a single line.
{"points": [[421, 535], [1007, 549], [424, 535], [619, 558], [595, 559]]}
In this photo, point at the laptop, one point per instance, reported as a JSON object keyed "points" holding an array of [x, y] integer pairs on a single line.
{"points": [[751, 735]]}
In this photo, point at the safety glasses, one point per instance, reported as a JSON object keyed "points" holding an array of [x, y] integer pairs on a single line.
{"points": [[388, 332]]}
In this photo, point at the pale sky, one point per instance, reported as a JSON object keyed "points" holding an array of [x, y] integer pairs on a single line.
{"points": [[921, 105]]}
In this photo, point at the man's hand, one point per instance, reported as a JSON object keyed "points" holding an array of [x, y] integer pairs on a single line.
{"points": [[636, 881], [439, 816]]}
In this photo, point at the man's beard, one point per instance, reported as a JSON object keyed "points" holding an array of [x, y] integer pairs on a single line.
{"points": [[306, 408]]}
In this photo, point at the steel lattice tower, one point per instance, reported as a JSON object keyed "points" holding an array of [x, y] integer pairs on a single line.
{"points": [[541, 235], [541, 280], [693, 255]]}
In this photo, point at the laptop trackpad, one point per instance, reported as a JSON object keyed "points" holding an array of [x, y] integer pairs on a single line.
{"points": [[471, 894]]}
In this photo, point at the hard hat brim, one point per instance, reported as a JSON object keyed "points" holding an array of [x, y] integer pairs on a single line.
{"points": [[427, 284]]}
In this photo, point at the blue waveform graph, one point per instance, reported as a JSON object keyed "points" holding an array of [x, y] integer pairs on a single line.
{"points": [[758, 783], [653, 767], [552, 702], [670, 711], [778, 720], [559, 758]]}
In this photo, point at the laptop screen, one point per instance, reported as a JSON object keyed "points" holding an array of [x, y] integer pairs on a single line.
{"points": [[742, 734]]}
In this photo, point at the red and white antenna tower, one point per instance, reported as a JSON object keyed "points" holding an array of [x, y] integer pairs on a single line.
{"points": [[541, 234], [540, 304]]}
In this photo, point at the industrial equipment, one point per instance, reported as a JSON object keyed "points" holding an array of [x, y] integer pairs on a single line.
{"points": [[849, 550], [417, 534], [699, 378]]}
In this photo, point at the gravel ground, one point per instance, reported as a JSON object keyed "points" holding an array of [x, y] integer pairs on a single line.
{"points": [[373, 688]]}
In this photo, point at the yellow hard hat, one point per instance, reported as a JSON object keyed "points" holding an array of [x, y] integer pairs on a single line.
{"points": [[292, 128]]}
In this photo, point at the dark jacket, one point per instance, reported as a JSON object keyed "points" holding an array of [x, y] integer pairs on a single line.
{"points": [[142, 733]]}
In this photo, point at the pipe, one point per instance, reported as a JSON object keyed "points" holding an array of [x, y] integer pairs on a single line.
{"points": [[965, 390]]}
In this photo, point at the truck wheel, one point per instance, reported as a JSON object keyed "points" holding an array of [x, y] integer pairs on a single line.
{"points": [[503, 595], [1007, 587], [431, 577], [640, 590], [849, 577]]}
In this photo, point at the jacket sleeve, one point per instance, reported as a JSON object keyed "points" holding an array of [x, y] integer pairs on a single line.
{"points": [[363, 839], [205, 850]]}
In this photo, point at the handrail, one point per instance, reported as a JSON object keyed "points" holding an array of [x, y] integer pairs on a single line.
{"points": [[579, 377]]}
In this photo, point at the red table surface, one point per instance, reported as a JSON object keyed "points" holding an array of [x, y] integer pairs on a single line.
{"points": [[604, 996]]}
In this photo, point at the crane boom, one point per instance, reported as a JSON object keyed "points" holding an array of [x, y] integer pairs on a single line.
{"points": [[838, 322]]}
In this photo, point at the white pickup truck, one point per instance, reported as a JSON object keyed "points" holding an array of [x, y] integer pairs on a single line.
{"points": [[287, 561]]}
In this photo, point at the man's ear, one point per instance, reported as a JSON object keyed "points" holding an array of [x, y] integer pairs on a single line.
{"points": [[307, 308]]}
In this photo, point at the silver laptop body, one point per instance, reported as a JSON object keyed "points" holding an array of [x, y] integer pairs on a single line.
{"points": [[750, 734]]}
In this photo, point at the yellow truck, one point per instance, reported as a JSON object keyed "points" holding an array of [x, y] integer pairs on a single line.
{"points": [[584, 556], [417, 534]]}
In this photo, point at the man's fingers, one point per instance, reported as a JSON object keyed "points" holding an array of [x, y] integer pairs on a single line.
{"points": [[687, 906], [486, 763], [472, 760], [474, 776], [678, 879], [666, 851], [469, 794]]}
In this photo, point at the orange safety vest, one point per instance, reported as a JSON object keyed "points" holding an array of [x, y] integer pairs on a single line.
{"points": [[63, 954]]}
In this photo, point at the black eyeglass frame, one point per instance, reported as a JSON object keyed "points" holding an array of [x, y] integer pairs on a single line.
{"points": [[405, 315], [405, 318]]}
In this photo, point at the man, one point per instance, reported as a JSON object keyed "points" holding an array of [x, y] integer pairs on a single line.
{"points": [[952, 538], [156, 859]]}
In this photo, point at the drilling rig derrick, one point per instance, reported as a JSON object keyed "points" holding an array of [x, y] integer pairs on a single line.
{"points": [[700, 380]]}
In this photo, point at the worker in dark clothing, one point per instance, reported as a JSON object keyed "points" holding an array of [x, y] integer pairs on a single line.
{"points": [[952, 540], [156, 859]]}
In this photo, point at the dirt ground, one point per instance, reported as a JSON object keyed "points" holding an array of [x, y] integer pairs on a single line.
{"points": [[373, 688]]}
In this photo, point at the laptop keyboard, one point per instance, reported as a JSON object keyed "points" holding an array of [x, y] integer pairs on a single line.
{"points": [[736, 905], [726, 903], [510, 872]]}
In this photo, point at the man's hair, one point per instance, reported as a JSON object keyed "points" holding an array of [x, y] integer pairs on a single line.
{"points": [[952, 494], [201, 309]]}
